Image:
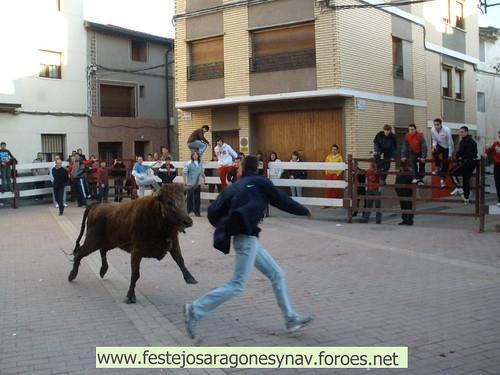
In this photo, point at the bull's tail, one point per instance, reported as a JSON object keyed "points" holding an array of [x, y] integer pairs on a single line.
{"points": [[82, 229]]}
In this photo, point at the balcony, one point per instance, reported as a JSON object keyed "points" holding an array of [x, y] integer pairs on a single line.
{"points": [[282, 61], [206, 71]]}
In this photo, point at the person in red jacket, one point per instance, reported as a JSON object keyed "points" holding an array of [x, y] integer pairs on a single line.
{"points": [[103, 182], [372, 189], [415, 143], [495, 147]]}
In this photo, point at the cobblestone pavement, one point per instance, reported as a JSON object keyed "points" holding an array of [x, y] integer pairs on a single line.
{"points": [[433, 287]]}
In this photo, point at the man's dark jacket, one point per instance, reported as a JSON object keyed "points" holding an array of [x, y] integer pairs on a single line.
{"points": [[240, 207], [383, 144]]}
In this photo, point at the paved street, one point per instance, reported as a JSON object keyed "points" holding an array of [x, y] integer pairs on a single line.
{"points": [[433, 287]]}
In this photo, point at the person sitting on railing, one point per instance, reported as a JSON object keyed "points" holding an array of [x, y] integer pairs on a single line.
{"points": [[141, 177], [466, 156]]}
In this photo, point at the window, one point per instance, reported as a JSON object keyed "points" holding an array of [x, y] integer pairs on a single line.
{"points": [[455, 14], [206, 58], [52, 145], [446, 81], [481, 102], [142, 91], [279, 48], [397, 57], [138, 51], [459, 84], [482, 50], [117, 101], [459, 14], [50, 64]]}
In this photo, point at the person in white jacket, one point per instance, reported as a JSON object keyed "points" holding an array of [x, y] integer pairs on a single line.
{"points": [[442, 144], [225, 155]]}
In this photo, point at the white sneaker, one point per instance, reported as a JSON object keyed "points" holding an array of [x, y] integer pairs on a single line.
{"points": [[443, 184], [498, 204], [56, 205], [466, 201], [420, 183], [414, 181], [436, 172], [457, 191]]}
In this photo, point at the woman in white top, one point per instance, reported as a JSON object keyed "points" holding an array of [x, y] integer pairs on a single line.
{"points": [[271, 172]]}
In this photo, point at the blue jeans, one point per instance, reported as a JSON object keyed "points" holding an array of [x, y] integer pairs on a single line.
{"points": [[198, 146], [417, 167], [249, 254], [296, 191]]}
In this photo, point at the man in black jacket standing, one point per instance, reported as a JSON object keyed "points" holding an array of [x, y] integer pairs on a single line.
{"points": [[236, 213], [466, 156]]}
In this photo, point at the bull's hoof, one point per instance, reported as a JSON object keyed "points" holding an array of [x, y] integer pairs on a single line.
{"points": [[103, 271], [72, 276], [130, 299], [191, 280]]}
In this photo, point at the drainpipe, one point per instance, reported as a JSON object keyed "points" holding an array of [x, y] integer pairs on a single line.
{"points": [[167, 66]]}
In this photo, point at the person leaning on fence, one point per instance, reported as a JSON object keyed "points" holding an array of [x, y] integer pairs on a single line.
{"points": [[495, 147], [274, 172], [118, 175], [296, 174], [197, 141], [225, 155], [442, 144], [404, 177], [141, 177], [466, 157], [385, 147], [236, 213], [335, 175], [39, 172], [167, 172], [361, 190], [372, 189], [414, 142]]}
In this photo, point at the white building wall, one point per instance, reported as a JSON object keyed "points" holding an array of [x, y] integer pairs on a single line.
{"points": [[48, 106]]}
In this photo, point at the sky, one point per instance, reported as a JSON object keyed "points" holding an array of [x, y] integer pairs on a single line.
{"points": [[155, 16]]}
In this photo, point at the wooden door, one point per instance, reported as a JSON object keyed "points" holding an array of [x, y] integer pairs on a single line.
{"points": [[309, 132]]}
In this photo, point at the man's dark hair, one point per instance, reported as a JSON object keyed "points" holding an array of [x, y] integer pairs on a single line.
{"points": [[438, 120], [219, 139], [250, 164], [3, 143], [412, 126], [465, 128], [387, 127], [205, 127]]}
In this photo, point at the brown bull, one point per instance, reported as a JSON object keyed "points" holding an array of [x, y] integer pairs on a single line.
{"points": [[146, 228]]}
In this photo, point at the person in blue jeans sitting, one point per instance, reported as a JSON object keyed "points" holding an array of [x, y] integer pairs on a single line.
{"points": [[236, 213]]}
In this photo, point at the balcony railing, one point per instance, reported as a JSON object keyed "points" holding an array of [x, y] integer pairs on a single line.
{"points": [[117, 112], [205, 71], [397, 70], [282, 61]]}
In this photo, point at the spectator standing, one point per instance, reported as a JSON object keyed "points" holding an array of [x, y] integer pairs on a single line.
{"points": [[234, 173], [78, 174], [495, 147], [103, 182], [164, 153], [225, 155], [372, 189], [258, 155], [119, 175], [59, 177], [466, 156], [274, 172], [193, 177], [39, 172], [167, 172], [6, 159], [141, 177], [414, 142], [236, 213], [442, 145], [404, 177], [334, 157], [296, 174], [92, 167], [54, 199], [197, 141], [385, 147], [82, 155]]}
